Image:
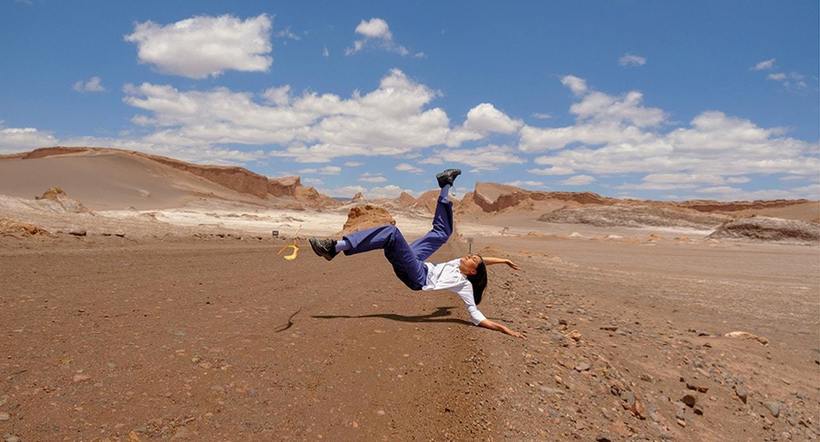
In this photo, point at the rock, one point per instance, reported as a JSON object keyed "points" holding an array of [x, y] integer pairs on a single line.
{"points": [[610, 328], [681, 422], [696, 387], [774, 407], [575, 335], [689, 400], [11, 438], [741, 392], [628, 399], [583, 366], [4, 416], [81, 377], [746, 335], [548, 390], [698, 410], [680, 411], [77, 232], [602, 438], [380, 412]]}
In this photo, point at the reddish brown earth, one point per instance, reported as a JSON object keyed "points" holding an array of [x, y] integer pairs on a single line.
{"points": [[221, 339]]}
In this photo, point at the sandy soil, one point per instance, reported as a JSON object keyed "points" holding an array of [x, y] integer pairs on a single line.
{"points": [[220, 339]]}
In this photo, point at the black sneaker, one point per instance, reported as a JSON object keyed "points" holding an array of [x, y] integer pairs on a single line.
{"points": [[447, 177], [325, 248]]}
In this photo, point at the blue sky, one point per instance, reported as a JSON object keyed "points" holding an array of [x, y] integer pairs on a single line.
{"points": [[663, 100]]}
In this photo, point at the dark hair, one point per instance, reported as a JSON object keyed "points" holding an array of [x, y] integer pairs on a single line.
{"points": [[479, 281]]}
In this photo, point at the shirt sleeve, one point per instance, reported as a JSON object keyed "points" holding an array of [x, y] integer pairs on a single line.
{"points": [[465, 292]]}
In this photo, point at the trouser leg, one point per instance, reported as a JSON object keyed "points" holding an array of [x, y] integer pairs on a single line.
{"points": [[410, 270], [442, 229]]}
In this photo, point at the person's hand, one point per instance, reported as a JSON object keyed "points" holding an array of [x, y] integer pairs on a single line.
{"points": [[512, 264], [517, 334]]}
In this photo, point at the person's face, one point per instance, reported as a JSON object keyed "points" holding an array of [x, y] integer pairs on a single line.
{"points": [[469, 264]]}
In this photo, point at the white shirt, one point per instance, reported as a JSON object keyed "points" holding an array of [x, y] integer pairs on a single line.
{"points": [[447, 276]]}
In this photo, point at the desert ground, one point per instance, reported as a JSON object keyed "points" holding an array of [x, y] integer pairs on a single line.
{"points": [[167, 312]]}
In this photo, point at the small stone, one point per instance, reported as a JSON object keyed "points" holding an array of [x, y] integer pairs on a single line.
{"points": [[741, 392], [583, 366], [698, 410], [11, 438], [689, 400], [774, 408], [380, 412], [698, 388], [602, 438], [610, 328], [681, 422], [81, 377], [575, 335], [4, 416]]}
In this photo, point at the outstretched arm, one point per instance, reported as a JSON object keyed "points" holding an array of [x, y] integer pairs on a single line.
{"points": [[488, 260], [499, 327]]}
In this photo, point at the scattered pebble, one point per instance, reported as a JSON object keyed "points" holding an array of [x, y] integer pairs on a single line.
{"points": [[4, 416], [774, 407], [741, 392], [689, 400], [81, 377], [583, 366]]}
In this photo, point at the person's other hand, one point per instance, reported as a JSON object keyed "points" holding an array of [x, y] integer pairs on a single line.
{"points": [[518, 335], [513, 265]]}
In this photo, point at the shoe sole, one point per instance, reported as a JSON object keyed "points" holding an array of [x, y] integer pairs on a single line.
{"points": [[319, 252]]}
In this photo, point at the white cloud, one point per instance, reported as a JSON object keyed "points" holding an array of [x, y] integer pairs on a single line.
{"points": [[93, 84], [389, 191], [764, 65], [279, 96], [527, 183], [286, 33], [577, 85], [632, 60], [615, 136], [342, 191], [554, 170], [21, 139], [541, 116], [482, 158], [481, 121], [204, 46], [578, 180], [376, 33], [394, 119], [791, 80], [327, 170], [406, 167], [353, 163], [368, 177]]}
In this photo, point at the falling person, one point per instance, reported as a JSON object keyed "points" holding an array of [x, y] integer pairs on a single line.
{"points": [[466, 276]]}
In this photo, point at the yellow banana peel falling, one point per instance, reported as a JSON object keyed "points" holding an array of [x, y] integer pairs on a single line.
{"points": [[293, 247], [292, 255]]}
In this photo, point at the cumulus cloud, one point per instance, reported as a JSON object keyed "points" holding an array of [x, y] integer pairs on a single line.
{"points": [[489, 157], [618, 135], [21, 139], [631, 60], [376, 33], [578, 180], [577, 85], [353, 163], [393, 119], [93, 84], [368, 177], [204, 46], [764, 65], [525, 183], [481, 121], [406, 167], [389, 191], [327, 170], [553, 170]]}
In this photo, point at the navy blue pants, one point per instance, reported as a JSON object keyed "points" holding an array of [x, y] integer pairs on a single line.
{"points": [[407, 259]]}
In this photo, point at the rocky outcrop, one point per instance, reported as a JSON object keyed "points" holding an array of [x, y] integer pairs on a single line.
{"points": [[10, 227], [405, 200], [620, 215], [734, 206], [358, 197], [765, 228], [365, 217], [284, 186], [61, 201], [235, 178]]}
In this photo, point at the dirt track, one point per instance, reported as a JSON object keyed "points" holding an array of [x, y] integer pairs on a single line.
{"points": [[223, 340]]}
